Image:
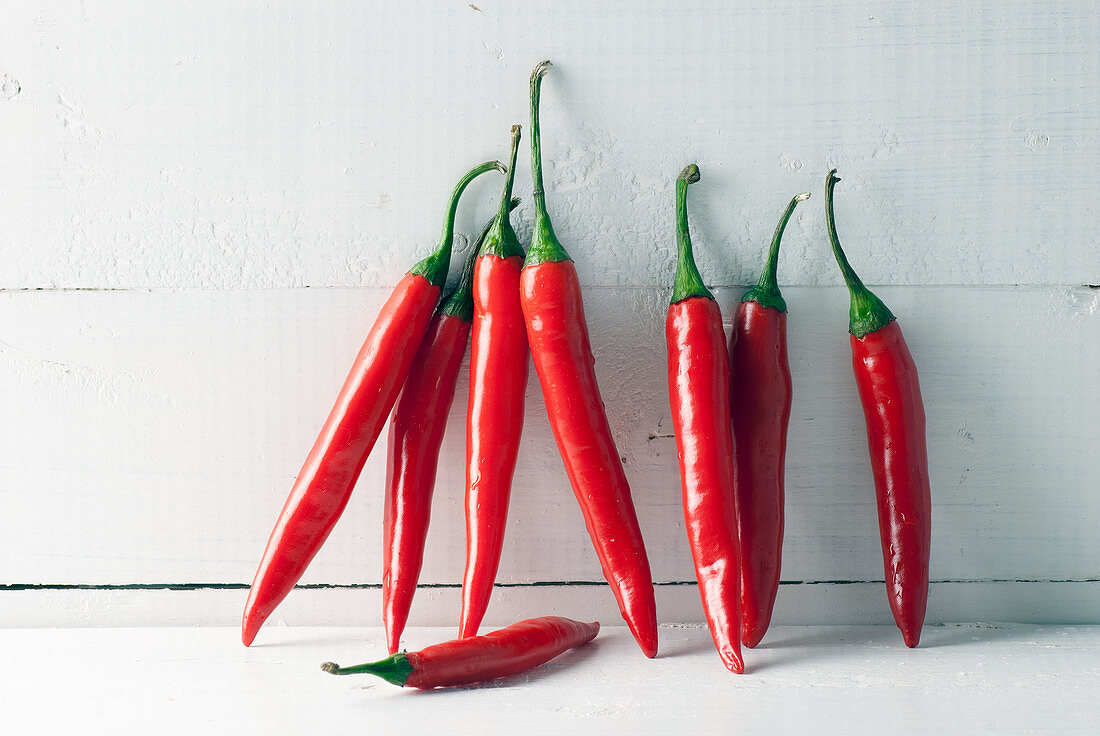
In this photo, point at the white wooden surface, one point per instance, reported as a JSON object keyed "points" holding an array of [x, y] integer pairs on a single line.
{"points": [[269, 144], [965, 679], [173, 178]]}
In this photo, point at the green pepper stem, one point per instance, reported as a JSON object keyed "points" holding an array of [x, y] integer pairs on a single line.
{"points": [[460, 302], [435, 266], [536, 143], [501, 240], [688, 282], [544, 243], [395, 669], [766, 292], [850, 277], [510, 177], [866, 313]]}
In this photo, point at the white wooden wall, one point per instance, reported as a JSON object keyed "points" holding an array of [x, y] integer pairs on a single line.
{"points": [[202, 206]]}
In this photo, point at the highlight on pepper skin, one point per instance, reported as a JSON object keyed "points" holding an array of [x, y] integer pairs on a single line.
{"points": [[699, 399]]}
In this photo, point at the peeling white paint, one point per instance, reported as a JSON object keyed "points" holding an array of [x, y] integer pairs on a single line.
{"points": [[9, 86]]}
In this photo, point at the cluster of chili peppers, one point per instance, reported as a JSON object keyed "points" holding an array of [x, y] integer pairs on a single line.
{"points": [[730, 402], [509, 305], [730, 413]]}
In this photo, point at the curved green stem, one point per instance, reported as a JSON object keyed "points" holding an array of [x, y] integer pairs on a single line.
{"points": [[536, 144], [688, 281], [766, 292], [460, 302], [544, 243], [501, 240], [510, 177], [866, 313], [434, 267], [395, 669]]}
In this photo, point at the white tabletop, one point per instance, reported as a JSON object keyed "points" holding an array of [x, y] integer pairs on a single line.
{"points": [[967, 678]]}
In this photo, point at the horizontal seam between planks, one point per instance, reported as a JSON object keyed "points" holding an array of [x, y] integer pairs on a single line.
{"points": [[544, 584]]}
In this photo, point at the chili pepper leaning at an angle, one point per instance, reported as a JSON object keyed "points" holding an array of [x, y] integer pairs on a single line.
{"points": [[760, 395], [416, 433], [326, 480], [550, 295], [504, 652], [494, 416], [890, 393], [699, 395]]}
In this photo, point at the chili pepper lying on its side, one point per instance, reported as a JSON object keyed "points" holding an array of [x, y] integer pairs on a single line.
{"points": [[325, 482], [494, 416], [890, 393], [550, 295], [699, 394], [415, 436], [760, 392], [505, 652]]}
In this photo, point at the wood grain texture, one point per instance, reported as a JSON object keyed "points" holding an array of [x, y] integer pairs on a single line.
{"points": [[264, 144]]}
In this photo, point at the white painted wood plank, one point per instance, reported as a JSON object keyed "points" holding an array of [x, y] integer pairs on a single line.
{"points": [[155, 436], [855, 680], [259, 144]]}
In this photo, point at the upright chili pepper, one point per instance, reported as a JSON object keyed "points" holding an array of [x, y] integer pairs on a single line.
{"points": [[699, 394], [505, 652], [325, 482], [494, 417], [550, 295], [415, 436], [760, 392], [890, 393]]}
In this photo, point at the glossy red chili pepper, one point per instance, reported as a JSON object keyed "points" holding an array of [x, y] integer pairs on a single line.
{"points": [[557, 333], [494, 417], [505, 652], [890, 393], [760, 395], [415, 436], [699, 394], [324, 484]]}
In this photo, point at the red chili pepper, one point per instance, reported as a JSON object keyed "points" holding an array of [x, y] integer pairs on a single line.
{"points": [[760, 396], [699, 394], [325, 482], [415, 436], [890, 393], [550, 295], [505, 652], [494, 417]]}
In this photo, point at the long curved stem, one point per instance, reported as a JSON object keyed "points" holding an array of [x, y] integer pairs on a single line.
{"points": [[688, 281], [510, 177], [501, 240], [766, 292], [866, 313], [544, 243], [850, 277], [536, 143], [434, 267]]}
